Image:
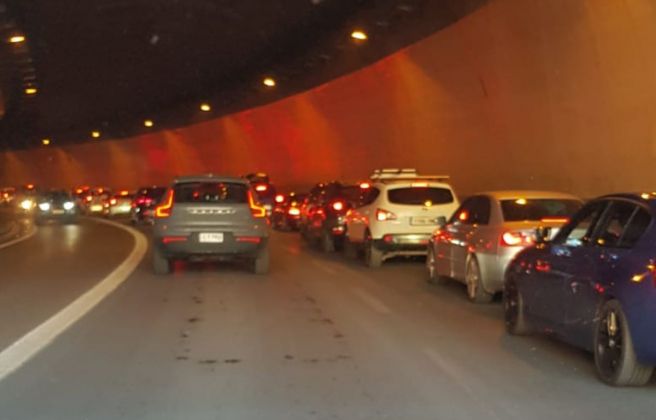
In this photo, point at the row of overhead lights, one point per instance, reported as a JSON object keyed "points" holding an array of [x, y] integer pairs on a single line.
{"points": [[268, 82]]}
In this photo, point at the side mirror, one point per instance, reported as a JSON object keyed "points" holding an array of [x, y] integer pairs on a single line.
{"points": [[542, 234], [441, 221]]}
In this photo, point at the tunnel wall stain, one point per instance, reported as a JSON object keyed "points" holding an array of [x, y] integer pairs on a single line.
{"points": [[550, 94]]}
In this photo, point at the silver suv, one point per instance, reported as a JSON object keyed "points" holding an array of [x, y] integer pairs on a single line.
{"points": [[210, 216]]}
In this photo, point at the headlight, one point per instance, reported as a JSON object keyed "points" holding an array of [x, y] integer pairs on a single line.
{"points": [[69, 205], [26, 204], [44, 206]]}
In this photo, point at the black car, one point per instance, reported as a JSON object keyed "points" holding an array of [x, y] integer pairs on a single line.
{"points": [[57, 206], [265, 190], [286, 213], [144, 203], [322, 216]]}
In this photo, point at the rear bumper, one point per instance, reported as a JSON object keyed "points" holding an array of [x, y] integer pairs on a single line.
{"points": [[187, 244], [403, 243]]}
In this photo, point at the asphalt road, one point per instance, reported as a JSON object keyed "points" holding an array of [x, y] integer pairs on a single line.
{"points": [[318, 338]]}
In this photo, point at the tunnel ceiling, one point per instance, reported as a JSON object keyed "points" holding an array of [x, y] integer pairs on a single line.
{"points": [[108, 65]]}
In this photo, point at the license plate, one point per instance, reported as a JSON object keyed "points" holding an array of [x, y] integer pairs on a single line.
{"points": [[213, 238], [422, 221]]}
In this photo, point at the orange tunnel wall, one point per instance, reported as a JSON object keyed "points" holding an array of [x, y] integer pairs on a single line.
{"points": [[550, 94]]}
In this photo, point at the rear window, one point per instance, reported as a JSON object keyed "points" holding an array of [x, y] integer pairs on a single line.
{"points": [[520, 209], [211, 192], [419, 196]]}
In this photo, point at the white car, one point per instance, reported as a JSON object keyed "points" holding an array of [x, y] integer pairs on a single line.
{"points": [[397, 213]]}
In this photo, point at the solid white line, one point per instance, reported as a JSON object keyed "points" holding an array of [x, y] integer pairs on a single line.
{"points": [[17, 354], [371, 301], [25, 237]]}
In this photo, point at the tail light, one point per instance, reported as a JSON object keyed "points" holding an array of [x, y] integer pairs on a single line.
{"points": [[89, 198], [384, 215], [294, 211], [249, 239], [365, 185], [562, 220], [256, 210], [516, 239], [113, 202], [261, 187], [280, 198], [338, 205], [420, 184], [164, 209]]}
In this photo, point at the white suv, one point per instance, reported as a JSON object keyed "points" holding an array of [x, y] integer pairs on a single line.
{"points": [[397, 213]]}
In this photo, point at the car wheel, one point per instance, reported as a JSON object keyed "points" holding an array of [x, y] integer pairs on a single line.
{"points": [[350, 249], [161, 264], [327, 242], [432, 276], [514, 309], [475, 291], [373, 256], [614, 355], [261, 262]]}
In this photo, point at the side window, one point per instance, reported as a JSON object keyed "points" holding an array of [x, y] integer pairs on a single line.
{"points": [[638, 224], [614, 224], [580, 229], [475, 210]]}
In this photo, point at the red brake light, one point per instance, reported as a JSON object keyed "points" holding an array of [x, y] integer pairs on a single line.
{"points": [[89, 198], [249, 239], [280, 198], [338, 205], [516, 239], [113, 202], [420, 184], [293, 211], [164, 210], [365, 185], [261, 188], [256, 210], [171, 239], [384, 215]]}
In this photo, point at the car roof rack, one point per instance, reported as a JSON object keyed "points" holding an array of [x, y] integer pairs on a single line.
{"points": [[404, 174]]}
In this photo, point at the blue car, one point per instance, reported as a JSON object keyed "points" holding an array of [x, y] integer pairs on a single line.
{"points": [[593, 286]]}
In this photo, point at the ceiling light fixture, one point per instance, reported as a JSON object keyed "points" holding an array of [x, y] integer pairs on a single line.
{"points": [[205, 107], [45, 142], [31, 90], [359, 35], [148, 123], [17, 39], [95, 134], [269, 82]]}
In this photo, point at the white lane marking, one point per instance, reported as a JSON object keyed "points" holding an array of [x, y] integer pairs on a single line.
{"points": [[325, 267], [17, 354], [25, 237], [372, 301]]}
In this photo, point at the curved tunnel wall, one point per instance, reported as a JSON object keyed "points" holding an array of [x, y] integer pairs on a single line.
{"points": [[558, 94]]}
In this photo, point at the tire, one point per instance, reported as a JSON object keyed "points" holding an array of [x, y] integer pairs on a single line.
{"points": [[373, 257], [432, 276], [350, 250], [161, 264], [327, 242], [260, 263], [475, 291], [614, 356], [514, 310]]}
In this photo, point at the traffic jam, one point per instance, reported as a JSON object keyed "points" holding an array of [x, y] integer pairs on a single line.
{"points": [[582, 272]]}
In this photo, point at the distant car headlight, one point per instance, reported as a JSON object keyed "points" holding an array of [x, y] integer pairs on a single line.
{"points": [[44, 206], [69, 205], [26, 204]]}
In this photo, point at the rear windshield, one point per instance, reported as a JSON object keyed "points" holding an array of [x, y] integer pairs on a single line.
{"points": [[211, 192], [520, 209], [56, 195], [419, 196]]}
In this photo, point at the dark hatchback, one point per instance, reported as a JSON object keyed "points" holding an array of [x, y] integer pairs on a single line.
{"points": [[594, 286], [323, 217], [56, 206], [144, 203]]}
